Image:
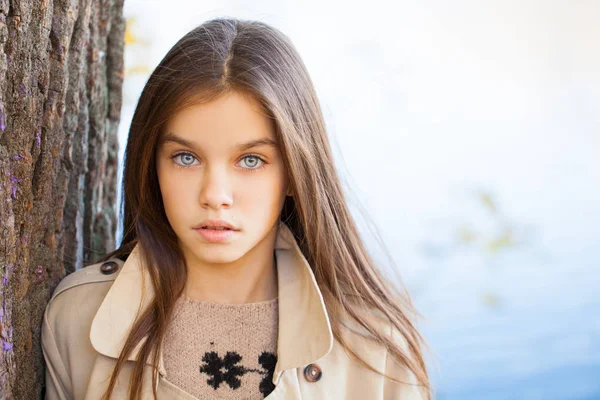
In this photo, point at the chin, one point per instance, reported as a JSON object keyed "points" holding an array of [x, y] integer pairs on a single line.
{"points": [[219, 254]]}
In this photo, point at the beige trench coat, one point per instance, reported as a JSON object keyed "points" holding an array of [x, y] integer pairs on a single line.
{"points": [[92, 309]]}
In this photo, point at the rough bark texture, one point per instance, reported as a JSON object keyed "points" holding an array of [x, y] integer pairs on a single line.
{"points": [[61, 73]]}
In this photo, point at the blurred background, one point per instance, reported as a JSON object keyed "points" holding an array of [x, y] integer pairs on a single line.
{"points": [[469, 134]]}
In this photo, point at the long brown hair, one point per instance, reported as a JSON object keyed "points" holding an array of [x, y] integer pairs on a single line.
{"points": [[256, 59]]}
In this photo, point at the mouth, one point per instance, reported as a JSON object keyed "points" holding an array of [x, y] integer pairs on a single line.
{"points": [[215, 225], [216, 234]]}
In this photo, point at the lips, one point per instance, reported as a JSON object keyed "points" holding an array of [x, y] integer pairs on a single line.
{"points": [[216, 231], [215, 224]]}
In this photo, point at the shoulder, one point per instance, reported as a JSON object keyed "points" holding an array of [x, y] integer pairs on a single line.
{"points": [[93, 275], [78, 295], [365, 342], [375, 318], [383, 326], [66, 325], [378, 354]]}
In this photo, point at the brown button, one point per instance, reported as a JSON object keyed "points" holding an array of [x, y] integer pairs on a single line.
{"points": [[109, 267], [312, 372]]}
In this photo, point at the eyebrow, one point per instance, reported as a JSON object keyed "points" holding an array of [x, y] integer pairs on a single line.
{"points": [[171, 137]]}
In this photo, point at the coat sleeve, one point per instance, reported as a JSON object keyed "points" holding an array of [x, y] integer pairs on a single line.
{"points": [[58, 381], [401, 391]]}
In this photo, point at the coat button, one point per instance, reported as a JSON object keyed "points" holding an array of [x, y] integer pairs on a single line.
{"points": [[312, 372], [109, 267]]}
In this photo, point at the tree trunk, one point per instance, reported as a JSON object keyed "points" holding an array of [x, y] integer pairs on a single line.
{"points": [[61, 73]]}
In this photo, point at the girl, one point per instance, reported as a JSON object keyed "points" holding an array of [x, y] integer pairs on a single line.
{"points": [[241, 272]]}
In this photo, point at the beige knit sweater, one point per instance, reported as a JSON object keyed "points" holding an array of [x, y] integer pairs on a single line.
{"points": [[222, 351]]}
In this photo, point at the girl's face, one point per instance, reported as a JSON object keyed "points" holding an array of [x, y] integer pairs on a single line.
{"points": [[220, 161]]}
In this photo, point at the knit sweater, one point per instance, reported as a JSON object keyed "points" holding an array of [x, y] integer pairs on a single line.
{"points": [[222, 351]]}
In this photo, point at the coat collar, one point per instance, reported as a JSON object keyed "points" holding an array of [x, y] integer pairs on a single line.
{"points": [[304, 328]]}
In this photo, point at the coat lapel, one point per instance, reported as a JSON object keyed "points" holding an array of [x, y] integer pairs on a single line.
{"points": [[304, 328]]}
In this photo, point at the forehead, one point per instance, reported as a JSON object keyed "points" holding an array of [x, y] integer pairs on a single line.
{"points": [[232, 115]]}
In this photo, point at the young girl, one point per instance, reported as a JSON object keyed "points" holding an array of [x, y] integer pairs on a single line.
{"points": [[241, 274]]}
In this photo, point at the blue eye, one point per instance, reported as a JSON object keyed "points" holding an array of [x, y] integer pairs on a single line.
{"points": [[254, 161], [187, 159]]}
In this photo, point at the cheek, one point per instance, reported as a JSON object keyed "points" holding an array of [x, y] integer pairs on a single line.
{"points": [[177, 194], [264, 194]]}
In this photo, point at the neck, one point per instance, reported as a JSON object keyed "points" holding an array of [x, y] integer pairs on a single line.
{"points": [[250, 279]]}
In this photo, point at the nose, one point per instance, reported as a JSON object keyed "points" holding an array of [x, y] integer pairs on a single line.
{"points": [[216, 191]]}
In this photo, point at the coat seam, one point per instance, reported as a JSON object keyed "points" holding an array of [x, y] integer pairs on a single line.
{"points": [[80, 283], [54, 343]]}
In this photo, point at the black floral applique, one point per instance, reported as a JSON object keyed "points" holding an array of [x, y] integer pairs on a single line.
{"points": [[267, 361], [228, 369], [213, 366]]}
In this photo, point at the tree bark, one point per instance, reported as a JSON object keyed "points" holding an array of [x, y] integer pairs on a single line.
{"points": [[61, 74]]}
